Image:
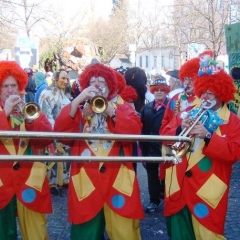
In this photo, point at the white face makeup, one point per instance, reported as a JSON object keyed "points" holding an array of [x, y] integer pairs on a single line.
{"points": [[100, 83], [210, 101], [188, 85]]}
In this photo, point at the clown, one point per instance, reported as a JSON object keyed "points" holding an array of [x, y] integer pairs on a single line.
{"points": [[101, 193], [180, 101], [196, 190], [22, 184]]}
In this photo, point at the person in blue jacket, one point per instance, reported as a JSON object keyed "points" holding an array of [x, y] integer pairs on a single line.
{"points": [[41, 84]]}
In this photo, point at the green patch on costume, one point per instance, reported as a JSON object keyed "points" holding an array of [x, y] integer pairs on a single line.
{"points": [[205, 164]]}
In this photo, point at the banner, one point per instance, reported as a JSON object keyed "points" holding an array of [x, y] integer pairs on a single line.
{"points": [[26, 52]]}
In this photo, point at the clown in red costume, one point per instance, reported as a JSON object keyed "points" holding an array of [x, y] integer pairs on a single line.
{"points": [[23, 185], [101, 194], [180, 101], [196, 189]]}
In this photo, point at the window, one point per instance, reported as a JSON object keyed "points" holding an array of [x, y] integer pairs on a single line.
{"points": [[163, 65], [155, 61]]}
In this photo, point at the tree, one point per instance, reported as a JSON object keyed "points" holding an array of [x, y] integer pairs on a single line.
{"points": [[201, 22]]}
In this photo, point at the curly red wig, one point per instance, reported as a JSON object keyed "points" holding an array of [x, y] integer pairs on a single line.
{"points": [[99, 70], [129, 94], [121, 81], [189, 69], [12, 68], [221, 84]]}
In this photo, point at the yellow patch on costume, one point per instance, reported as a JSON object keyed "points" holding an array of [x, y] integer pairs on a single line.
{"points": [[124, 180], [1, 182], [82, 184], [37, 176], [212, 191]]}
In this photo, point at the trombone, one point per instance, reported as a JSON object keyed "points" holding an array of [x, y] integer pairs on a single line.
{"points": [[84, 136]]}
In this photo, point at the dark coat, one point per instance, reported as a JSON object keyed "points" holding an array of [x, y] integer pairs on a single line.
{"points": [[152, 121]]}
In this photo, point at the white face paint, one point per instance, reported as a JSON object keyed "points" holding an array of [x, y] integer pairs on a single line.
{"points": [[208, 104], [100, 83]]}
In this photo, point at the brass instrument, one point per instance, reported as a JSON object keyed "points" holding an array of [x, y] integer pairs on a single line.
{"points": [[99, 103], [29, 111], [179, 149]]}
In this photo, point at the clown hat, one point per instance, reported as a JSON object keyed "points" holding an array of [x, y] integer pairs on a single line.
{"points": [[218, 82], [161, 84]]}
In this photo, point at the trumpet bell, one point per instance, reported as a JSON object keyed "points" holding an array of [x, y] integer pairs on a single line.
{"points": [[31, 111], [180, 149], [99, 104]]}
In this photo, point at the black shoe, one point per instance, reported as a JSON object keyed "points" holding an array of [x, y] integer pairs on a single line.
{"points": [[152, 207], [54, 191]]}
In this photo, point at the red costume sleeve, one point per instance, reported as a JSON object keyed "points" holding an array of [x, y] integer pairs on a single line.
{"points": [[41, 124], [227, 145]]}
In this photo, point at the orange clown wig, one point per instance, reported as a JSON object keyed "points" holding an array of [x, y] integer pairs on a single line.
{"points": [[12, 68], [189, 69], [221, 84], [100, 70]]}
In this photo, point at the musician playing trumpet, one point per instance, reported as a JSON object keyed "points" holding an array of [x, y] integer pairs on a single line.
{"points": [[196, 190], [23, 185], [101, 193]]}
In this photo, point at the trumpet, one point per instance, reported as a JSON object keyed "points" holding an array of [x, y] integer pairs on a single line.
{"points": [[29, 111], [99, 103], [179, 149]]}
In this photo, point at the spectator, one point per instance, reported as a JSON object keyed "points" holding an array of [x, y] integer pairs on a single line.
{"points": [[41, 84], [151, 116], [51, 101], [137, 78], [31, 86]]}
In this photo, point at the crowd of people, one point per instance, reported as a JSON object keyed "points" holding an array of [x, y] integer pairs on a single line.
{"points": [[105, 196]]}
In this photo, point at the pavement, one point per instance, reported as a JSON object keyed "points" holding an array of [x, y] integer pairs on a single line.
{"points": [[153, 225]]}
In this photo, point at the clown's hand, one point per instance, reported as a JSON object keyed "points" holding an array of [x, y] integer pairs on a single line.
{"points": [[59, 148]]}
